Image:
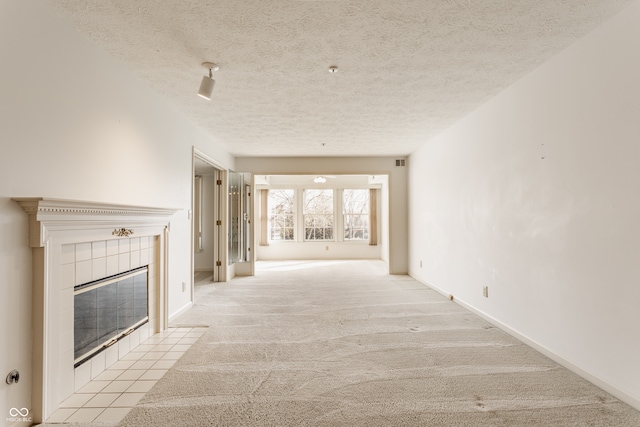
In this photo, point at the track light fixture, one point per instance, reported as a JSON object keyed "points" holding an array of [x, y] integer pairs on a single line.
{"points": [[206, 86]]}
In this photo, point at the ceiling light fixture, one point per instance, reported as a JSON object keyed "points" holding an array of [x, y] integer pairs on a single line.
{"points": [[319, 179], [206, 86]]}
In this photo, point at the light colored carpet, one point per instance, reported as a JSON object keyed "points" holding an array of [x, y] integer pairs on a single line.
{"points": [[344, 344]]}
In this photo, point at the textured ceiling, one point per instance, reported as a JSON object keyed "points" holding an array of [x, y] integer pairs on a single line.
{"points": [[408, 69]]}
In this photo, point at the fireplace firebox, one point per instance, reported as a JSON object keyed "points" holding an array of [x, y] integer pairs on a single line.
{"points": [[108, 309]]}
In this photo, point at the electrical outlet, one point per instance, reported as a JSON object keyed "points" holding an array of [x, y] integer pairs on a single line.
{"points": [[485, 291], [184, 287], [420, 263], [326, 248]]}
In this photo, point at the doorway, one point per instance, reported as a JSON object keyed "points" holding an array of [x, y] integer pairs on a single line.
{"points": [[208, 222]]}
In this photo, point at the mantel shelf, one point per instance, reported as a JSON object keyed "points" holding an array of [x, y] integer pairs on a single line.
{"points": [[47, 215], [60, 207]]}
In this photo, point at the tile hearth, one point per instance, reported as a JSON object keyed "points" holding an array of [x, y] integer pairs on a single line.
{"points": [[112, 394]]}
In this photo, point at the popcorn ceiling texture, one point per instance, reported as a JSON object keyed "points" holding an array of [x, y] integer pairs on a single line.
{"points": [[408, 69]]}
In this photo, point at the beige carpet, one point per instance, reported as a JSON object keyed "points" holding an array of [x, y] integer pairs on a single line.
{"points": [[344, 344]]}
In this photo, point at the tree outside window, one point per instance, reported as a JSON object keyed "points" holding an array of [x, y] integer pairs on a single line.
{"points": [[356, 214], [281, 214], [318, 214]]}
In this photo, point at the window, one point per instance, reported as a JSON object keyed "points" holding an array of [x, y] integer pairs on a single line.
{"points": [[355, 207], [318, 214], [281, 214]]}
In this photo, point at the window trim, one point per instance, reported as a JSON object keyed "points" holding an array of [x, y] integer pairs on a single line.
{"points": [[295, 218], [303, 216], [367, 215], [298, 217]]}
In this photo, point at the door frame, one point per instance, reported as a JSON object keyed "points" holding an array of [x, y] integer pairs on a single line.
{"points": [[219, 211]]}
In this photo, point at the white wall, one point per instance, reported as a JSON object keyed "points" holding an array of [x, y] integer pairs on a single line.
{"points": [[397, 230], [317, 250], [383, 220], [75, 125], [537, 195]]}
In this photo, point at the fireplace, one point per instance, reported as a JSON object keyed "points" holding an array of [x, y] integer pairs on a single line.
{"points": [[107, 310], [83, 250]]}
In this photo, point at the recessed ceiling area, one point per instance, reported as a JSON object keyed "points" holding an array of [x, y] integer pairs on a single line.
{"points": [[408, 69]]}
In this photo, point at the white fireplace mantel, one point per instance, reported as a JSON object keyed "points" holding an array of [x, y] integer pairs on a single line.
{"points": [[48, 216], [55, 224]]}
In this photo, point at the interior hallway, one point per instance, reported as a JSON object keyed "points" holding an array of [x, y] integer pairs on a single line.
{"points": [[341, 343]]}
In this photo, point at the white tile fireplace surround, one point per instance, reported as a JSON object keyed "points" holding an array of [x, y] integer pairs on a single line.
{"points": [[75, 242]]}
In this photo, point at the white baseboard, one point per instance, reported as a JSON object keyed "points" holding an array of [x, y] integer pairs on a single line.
{"points": [[180, 311], [594, 379]]}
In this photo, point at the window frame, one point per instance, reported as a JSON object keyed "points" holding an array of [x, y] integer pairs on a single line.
{"points": [[334, 227], [299, 234], [345, 214], [294, 214]]}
